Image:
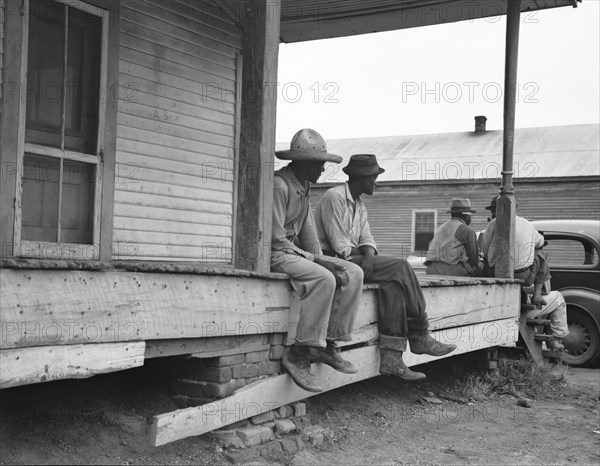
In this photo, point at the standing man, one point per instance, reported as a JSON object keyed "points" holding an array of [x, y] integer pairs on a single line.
{"points": [[343, 228], [326, 315], [453, 249]]}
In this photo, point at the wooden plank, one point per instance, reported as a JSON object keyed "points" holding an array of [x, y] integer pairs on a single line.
{"points": [[452, 306], [150, 200], [219, 63], [164, 189], [257, 145], [199, 239], [182, 228], [25, 366], [209, 252], [257, 398], [161, 213], [39, 308], [470, 338], [206, 347]]}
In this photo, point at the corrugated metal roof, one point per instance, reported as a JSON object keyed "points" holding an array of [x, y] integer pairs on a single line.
{"points": [[556, 151]]}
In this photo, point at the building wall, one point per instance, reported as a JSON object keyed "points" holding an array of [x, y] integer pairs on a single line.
{"points": [[176, 136], [390, 207], [2, 10]]}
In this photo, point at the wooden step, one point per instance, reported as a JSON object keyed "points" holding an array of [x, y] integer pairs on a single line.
{"points": [[538, 321]]}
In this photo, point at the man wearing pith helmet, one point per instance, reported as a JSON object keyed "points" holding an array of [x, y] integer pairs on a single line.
{"points": [[344, 232], [329, 289]]}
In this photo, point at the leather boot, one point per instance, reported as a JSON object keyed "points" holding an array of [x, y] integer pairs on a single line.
{"points": [[392, 364], [422, 342], [297, 363], [331, 357], [556, 344], [537, 296]]}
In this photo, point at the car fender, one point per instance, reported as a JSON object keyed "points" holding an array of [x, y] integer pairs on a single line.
{"points": [[585, 299]]}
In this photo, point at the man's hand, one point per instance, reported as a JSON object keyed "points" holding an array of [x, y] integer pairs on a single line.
{"points": [[332, 268]]}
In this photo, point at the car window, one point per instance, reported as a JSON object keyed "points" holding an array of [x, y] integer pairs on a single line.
{"points": [[570, 252]]}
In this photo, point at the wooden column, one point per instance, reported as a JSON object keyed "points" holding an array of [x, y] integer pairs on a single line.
{"points": [[506, 206], [257, 139]]}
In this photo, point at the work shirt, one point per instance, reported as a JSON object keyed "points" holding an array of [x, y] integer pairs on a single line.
{"points": [[342, 223], [527, 239], [293, 228], [453, 243]]}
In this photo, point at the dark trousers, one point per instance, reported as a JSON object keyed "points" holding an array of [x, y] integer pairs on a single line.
{"points": [[538, 272], [401, 301]]}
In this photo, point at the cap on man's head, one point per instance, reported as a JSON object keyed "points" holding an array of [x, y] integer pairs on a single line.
{"points": [[363, 165], [461, 206], [308, 145]]}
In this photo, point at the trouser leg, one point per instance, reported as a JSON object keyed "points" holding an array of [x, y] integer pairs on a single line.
{"points": [[556, 309], [346, 302], [316, 286]]}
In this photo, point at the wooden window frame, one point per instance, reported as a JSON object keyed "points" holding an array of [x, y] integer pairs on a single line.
{"points": [[12, 139], [414, 225]]}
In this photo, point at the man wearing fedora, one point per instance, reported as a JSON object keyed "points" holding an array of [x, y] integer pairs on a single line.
{"points": [[343, 228], [454, 249], [327, 312], [531, 266]]}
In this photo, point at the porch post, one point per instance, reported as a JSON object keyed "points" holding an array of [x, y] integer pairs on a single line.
{"points": [[506, 206], [257, 137]]}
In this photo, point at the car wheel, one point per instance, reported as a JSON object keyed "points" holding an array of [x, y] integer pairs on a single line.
{"points": [[582, 345]]}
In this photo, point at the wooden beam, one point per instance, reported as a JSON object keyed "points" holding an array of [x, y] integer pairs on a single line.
{"points": [[42, 308], [505, 206], [206, 347], [25, 366], [259, 397], [257, 140]]}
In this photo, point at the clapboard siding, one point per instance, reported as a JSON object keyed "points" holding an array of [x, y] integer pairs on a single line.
{"points": [[176, 134], [390, 207]]}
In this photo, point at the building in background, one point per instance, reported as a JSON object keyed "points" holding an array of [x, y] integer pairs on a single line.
{"points": [[557, 175]]}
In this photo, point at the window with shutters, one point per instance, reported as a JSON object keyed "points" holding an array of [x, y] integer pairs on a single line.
{"points": [[61, 129], [423, 227]]}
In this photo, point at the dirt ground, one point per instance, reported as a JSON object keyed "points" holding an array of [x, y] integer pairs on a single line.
{"points": [[106, 419]]}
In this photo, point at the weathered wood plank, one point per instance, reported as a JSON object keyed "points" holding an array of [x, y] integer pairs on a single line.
{"points": [[74, 306], [166, 214], [25, 366], [206, 347], [259, 397]]}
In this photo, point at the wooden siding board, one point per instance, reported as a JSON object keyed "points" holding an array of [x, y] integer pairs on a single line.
{"points": [[177, 26], [135, 79], [164, 189], [148, 225], [132, 211], [143, 200], [210, 252]]}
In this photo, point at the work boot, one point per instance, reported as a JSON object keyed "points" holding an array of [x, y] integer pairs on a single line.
{"points": [[331, 357], [297, 363], [391, 363], [556, 344], [405, 373], [423, 343], [537, 298]]}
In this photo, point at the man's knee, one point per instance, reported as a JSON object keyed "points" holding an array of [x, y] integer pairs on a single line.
{"points": [[355, 274]]}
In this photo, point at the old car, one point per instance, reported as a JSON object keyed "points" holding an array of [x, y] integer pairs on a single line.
{"points": [[574, 258]]}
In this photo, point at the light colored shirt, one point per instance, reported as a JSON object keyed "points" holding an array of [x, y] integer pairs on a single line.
{"points": [[341, 222], [527, 239], [293, 228]]}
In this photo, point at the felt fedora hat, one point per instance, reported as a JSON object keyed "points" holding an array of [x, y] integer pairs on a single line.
{"points": [[492, 205], [461, 206], [363, 165], [308, 145]]}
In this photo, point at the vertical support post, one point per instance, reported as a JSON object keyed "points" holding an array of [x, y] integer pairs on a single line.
{"points": [[257, 138], [506, 204]]}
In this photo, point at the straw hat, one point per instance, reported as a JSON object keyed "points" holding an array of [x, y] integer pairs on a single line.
{"points": [[308, 145]]}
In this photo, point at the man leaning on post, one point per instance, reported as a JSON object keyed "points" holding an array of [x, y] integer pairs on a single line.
{"points": [[329, 288]]}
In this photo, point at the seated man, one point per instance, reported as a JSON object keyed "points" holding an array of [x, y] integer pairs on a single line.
{"points": [[531, 266], [454, 249], [326, 315], [343, 228]]}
